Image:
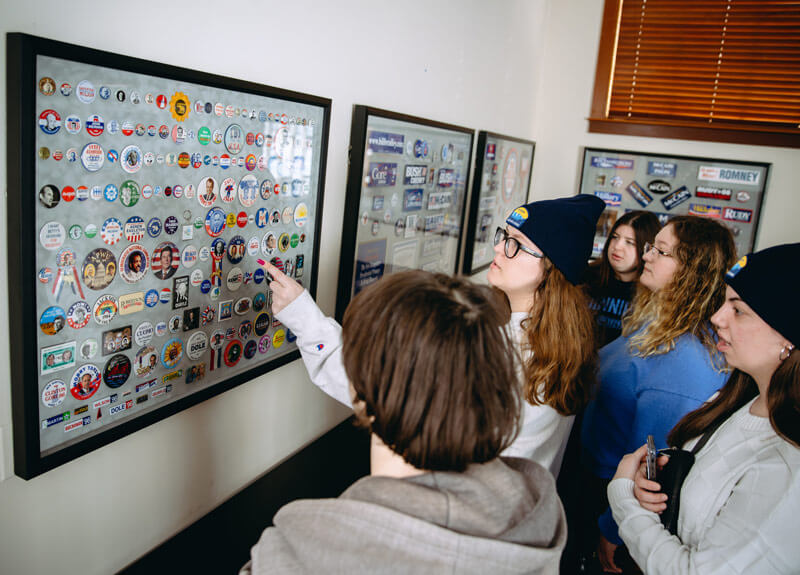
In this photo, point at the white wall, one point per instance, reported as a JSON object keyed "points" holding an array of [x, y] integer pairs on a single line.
{"points": [[467, 62], [563, 104]]}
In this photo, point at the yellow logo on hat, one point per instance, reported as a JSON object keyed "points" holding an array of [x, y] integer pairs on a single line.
{"points": [[738, 266], [518, 217]]}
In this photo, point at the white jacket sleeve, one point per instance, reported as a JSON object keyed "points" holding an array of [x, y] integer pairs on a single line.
{"points": [[319, 339]]}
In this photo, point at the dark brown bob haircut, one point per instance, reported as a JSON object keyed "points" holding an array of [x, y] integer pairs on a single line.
{"points": [[432, 362]]}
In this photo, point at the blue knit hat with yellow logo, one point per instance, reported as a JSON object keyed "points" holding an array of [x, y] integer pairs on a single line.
{"points": [[563, 229], [767, 281]]}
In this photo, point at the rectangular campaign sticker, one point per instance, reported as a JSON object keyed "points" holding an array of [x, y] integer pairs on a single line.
{"points": [[131, 303], [405, 255], [676, 198], [78, 423], [705, 210], [638, 193], [610, 198], [56, 419], [158, 392], [415, 175], [370, 263], [377, 203], [385, 142], [411, 226], [617, 163], [412, 200], [381, 174], [434, 224], [446, 178], [440, 200], [737, 215], [58, 357], [728, 175], [663, 169], [713, 193], [146, 385]]}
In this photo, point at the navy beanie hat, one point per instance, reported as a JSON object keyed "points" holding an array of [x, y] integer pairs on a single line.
{"points": [[563, 229], [767, 281]]}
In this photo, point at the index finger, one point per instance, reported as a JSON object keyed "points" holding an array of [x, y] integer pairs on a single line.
{"points": [[277, 275]]}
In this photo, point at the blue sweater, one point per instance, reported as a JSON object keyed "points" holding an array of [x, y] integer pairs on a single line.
{"points": [[640, 396]]}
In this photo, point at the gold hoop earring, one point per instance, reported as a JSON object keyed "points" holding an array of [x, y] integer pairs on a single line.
{"points": [[786, 351]]}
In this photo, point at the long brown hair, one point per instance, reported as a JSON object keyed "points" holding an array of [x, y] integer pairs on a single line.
{"points": [[559, 331], [435, 368], [645, 226], [783, 404], [705, 251]]}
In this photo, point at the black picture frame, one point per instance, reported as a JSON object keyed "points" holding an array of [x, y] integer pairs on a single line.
{"points": [[294, 120], [730, 191], [426, 149], [495, 192]]}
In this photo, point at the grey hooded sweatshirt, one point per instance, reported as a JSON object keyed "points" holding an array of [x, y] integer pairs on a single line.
{"points": [[499, 517]]}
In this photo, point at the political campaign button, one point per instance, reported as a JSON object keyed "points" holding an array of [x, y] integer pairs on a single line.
{"points": [[234, 279], [189, 256], [233, 353], [99, 269], [82, 193], [151, 298], [300, 215], [175, 323], [49, 196], [110, 193], [197, 345], [250, 162], [88, 348], [78, 315], [75, 232], [92, 157], [131, 159], [112, 156], [277, 262], [44, 153], [231, 219], [278, 338], [205, 286], [165, 295], [47, 86], [104, 92], [54, 393], [127, 128], [288, 267], [228, 190], [72, 124], [111, 231], [294, 241], [58, 155], [135, 98], [120, 96], [237, 161], [147, 191], [264, 344], [242, 306], [241, 219], [52, 235], [207, 191], [179, 106], [144, 333], [283, 242], [262, 322], [253, 246], [160, 328], [261, 217], [204, 253], [168, 191], [218, 249], [268, 244], [154, 227], [133, 263], [229, 110], [171, 159], [52, 320], [71, 155], [189, 191], [152, 130], [250, 349], [146, 360], [117, 371], [165, 261], [171, 353], [85, 92], [184, 159], [50, 122], [134, 229], [196, 160], [177, 191], [207, 315], [85, 382], [196, 278], [262, 163], [287, 215], [161, 101], [171, 225], [105, 309], [215, 222], [225, 161], [248, 190], [45, 275]]}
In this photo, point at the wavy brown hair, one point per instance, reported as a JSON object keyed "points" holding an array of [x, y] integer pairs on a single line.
{"points": [[705, 251], [559, 331], [783, 404], [435, 368]]}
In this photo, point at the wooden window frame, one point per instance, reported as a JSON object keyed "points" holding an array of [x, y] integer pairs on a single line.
{"points": [[600, 122]]}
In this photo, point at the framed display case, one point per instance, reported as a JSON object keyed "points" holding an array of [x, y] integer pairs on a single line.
{"points": [[501, 182], [140, 197], [406, 192], [727, 190]]}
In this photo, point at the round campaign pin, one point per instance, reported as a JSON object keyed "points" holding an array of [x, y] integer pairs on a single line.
{"points": [[129, 193], [259, 300], [82, 193], [113, 127], [95, 125], [262, 323], [207, 192], [52, 320], [151, 131], [287, 215], [278, 338], [104, 92], [264, 344], [151, 298], [117, 371], [248, 190], [52, 235], [120, 96], [215, 222], [277, 262], [229, 110], [261, 217], [283, 242], [179, 106], [171, 353], [204, 135], [57, 155], [196, 278], [154, 227], [188, 191], [85, 382], [54, 393], [250, 349], [134, 229], [231, 219], [258, 276], [228, 190], [166, 259], [78, 315], [184, 159], [146, 360], [133, 263], [253, 245], [189, 256], [99, 269], [161, 328], [242, 306], [105, 309], [45, 275], [204, 254], [50, 121], [111, 231], [49, 196], [250, 138], [175, 323], [127, 128], [67, 193], [205, 286], [297, 188], [218, 249], [111, 193], [288, 267], [44, 153], [85, 92], [236, 249], [168, 191], [197, 345], [250, 162], [234, 279], [47, 86], [177, 191], [148, 98], [88, 348], [207, 315], [72, 124], [147, 190], [131, 159], [268, 244], [135, 98], [300, 214], [171, 225], [96, 193], [233, 353], [143, 333], [92, 156]]}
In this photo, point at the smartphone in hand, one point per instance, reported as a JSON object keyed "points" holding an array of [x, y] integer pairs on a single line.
{"points": [[652, 454]]}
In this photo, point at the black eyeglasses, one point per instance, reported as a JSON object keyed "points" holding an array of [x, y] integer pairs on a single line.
{"points": [[512, 246]]}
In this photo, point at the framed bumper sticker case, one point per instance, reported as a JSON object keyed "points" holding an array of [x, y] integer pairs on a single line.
{"points": [[406, 198], [140, 197]]}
